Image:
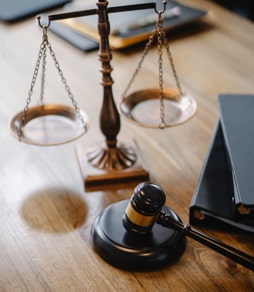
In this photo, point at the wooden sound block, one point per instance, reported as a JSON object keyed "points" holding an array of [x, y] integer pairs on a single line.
{"points": [[161, 247]]}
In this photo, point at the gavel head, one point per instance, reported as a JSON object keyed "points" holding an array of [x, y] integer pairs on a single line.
{"points": [[143, 208]]}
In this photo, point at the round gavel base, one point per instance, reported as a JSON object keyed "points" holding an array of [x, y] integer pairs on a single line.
{"points": [[161, 247]]}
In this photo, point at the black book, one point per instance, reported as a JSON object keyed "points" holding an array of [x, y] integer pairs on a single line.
{"points": [[212, 203], [237, 119]]}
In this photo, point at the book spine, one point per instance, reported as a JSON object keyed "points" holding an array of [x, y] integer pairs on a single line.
{"points": [[240, 211], [196, 215]]}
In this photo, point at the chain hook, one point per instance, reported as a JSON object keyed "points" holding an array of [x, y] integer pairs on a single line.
{"points": [[44, 30], [164, 2], [43, 26]]}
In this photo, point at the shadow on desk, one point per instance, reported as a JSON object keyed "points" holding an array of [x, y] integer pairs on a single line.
{"points": [[54, 210]]}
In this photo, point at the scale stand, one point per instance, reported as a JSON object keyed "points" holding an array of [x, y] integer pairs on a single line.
{"points": [[111, 164]]}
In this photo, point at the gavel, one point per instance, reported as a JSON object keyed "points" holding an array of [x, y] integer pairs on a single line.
{"points": [[143, 234]]}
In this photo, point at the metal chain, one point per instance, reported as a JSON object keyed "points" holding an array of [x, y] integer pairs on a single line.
{"points": [[43, 71], [170, 58], [42, 57], [161, 41], [147, 47], [159, 29], [66, 86], [41, 53]]}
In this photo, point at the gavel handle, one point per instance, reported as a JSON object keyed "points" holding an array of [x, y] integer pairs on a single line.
{"points": [[232, 253]]}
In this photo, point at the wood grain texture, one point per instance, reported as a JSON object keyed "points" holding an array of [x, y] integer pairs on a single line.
{"points": [[45, 214]]}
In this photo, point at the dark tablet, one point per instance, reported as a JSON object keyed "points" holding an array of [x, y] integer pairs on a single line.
{"points": [[13, 10]]}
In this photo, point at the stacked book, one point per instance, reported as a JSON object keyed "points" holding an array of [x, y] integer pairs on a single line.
{"points": [[224, 195], [127, 28]]}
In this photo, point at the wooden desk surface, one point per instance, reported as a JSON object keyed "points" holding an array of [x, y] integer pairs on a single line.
{"points": [[45, 213]]}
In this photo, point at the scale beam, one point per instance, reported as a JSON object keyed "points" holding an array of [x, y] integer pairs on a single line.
{"points": [[88, 12]]}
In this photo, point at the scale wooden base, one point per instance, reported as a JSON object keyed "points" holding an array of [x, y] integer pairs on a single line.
{"points": [[98, 179]]}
